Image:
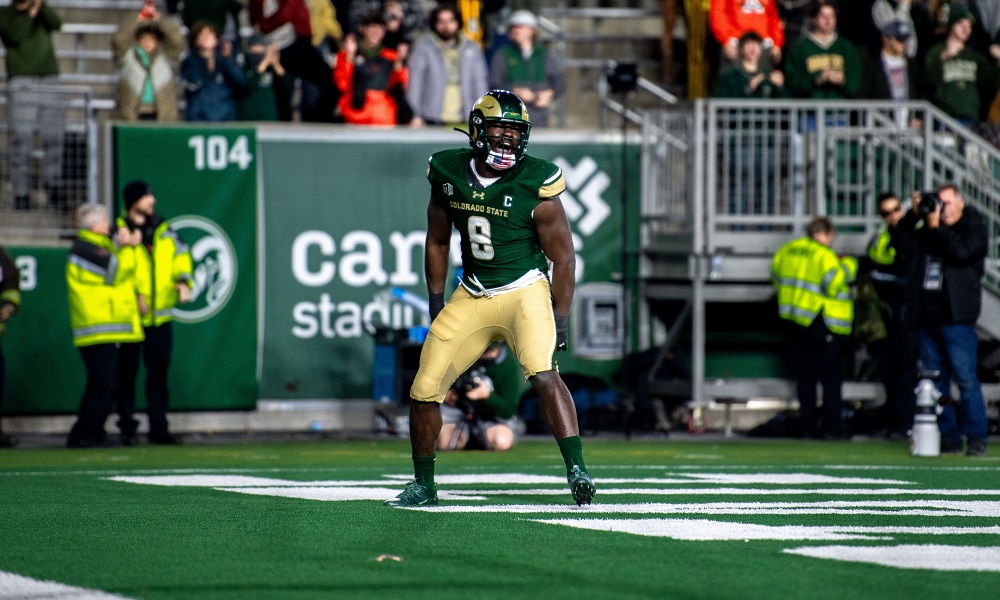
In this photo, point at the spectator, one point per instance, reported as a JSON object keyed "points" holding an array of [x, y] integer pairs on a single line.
{"points": [[891, 74], [887, 12], [148, 50], [751, 148], [494, 15], [478, 412], [750, 76], [730, 19], [100, 280], [10, 302], [163, 280], [366, 75], [447, 71], [959, 79], [527, 68], [26, 28], [211, 78], [287, 25], [262, 68], [815, 305], [822, 65], [950, 249]]}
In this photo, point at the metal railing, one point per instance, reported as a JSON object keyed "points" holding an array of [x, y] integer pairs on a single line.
{"points": [[759, 170], [48, 161]]}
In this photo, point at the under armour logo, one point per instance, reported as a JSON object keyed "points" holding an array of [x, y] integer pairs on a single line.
{"points": [[753, 7], [478, 195], [448, 189]]}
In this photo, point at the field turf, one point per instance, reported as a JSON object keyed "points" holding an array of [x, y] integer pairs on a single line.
{"points": [[723, 519]]}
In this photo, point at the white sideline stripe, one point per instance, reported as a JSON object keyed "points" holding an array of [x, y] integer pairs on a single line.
{"points": [[739, 492], [927, 508], [214, 481], [787, 479], [18, 587], [934, 557], [705, 530], [335, 493]]}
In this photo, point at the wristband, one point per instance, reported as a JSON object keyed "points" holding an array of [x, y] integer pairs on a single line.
{"points": [[436, 304], [562, 324]]}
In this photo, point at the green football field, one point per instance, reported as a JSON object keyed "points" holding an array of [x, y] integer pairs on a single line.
{"points": [[738, 519]]}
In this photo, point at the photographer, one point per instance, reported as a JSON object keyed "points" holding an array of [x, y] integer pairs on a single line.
{"points": [[478, 409], [949, 239]]}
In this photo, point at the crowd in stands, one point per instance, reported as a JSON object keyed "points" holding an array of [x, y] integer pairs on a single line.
{"points": [[947, 53], [348, 62]]}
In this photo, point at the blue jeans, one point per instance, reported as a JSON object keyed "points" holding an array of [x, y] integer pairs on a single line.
{"points": [[951, 349]]}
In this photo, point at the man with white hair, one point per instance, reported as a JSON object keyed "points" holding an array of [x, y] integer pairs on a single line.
{"points": [[527, 68], [103, 314]]}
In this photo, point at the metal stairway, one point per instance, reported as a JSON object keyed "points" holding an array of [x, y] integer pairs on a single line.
{"points": [[727, 182]]}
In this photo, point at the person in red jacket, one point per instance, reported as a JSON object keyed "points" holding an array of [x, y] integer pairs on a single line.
{"points": [[730, 19], [370, 76], [286, 24]]}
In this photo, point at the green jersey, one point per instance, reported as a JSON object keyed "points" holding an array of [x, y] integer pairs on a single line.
{"points": [[499, 242]]}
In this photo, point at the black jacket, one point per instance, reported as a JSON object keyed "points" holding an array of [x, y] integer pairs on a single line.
{"points": [[962, 249]]}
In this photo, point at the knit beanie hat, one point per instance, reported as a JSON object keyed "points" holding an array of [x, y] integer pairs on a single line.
{"points": [[957, 12], [134, 190]]}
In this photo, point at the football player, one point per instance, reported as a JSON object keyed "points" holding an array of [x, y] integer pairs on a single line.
{"points": [[505, 205]]}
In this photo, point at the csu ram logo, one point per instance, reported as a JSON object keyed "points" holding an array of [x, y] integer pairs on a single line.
{"points": [[214, 268]]}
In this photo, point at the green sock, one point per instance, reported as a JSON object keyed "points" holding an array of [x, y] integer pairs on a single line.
{"points": [[423, 469], [572, 451]]}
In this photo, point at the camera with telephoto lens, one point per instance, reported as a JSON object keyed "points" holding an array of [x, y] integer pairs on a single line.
{"points": [[469, 380], [929, 201]]}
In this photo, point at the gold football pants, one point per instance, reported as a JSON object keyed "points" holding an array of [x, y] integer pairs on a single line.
{"points": [[467, 325]]}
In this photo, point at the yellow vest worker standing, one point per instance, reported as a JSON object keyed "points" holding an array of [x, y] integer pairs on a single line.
{"points": [[10, 301], [102, 313], [163, 279], [814, 301], [890, 263]]}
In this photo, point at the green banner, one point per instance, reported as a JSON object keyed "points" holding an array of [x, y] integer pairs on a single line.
{"points": [[345, 223], [205, 180]]}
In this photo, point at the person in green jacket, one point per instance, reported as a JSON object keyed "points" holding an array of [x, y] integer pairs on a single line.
{"points": [[958, 79], [527, 68], [26, 28], [479, 408], [822, 65], [748, 77], [262, 69]]}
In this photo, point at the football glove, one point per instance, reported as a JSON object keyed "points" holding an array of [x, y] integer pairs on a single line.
{"points": [[562, 324]]}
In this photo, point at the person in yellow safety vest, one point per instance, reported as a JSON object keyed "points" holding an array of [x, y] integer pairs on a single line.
{"points": [[163, 280], [896, 354], [10, 301], [814, 302], [102, 313]]}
